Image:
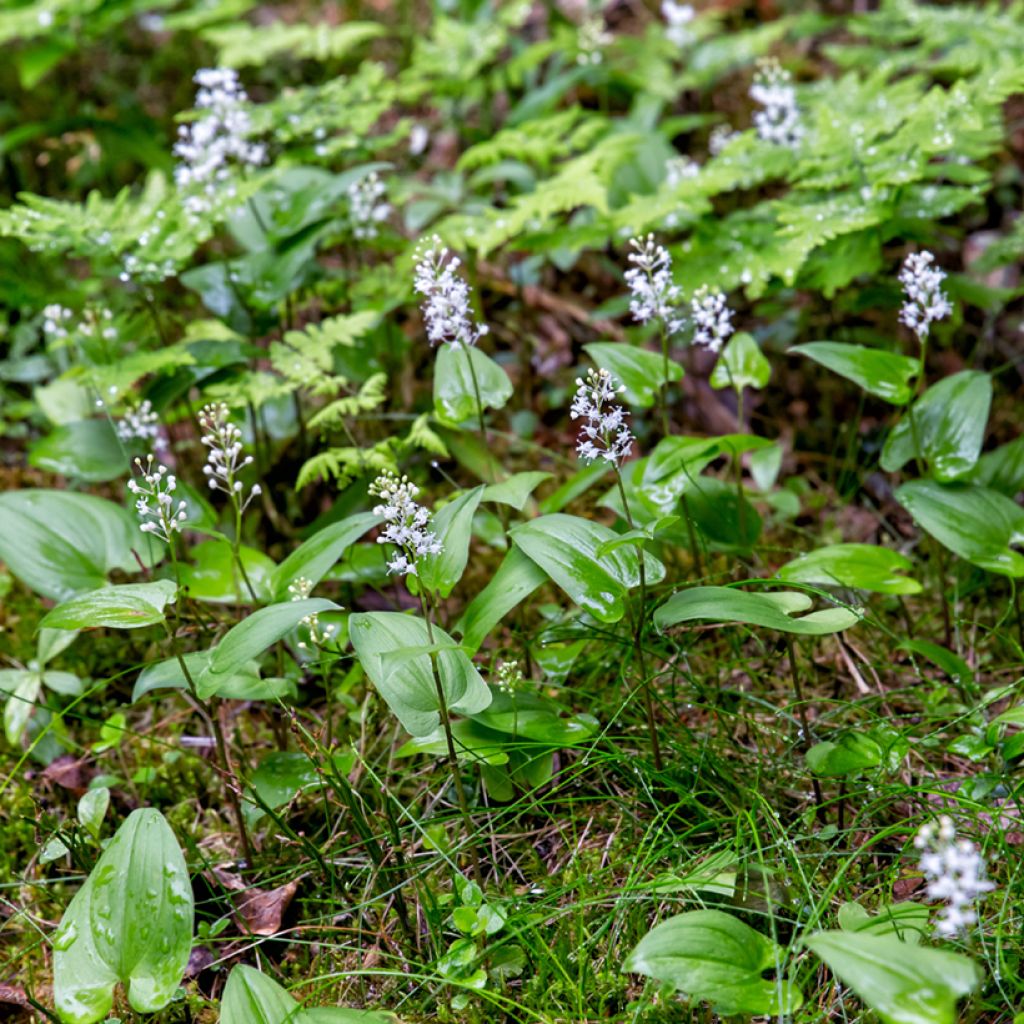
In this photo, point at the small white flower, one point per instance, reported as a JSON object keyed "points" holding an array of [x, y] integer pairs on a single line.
{"points": [[955, 873], [721, 136], [779, 122], [55, 319], [447, 311], [712, 319], [591, 39], [679, 169], [677, 21], [407, 523], [45, 19], [508, 677], [141, 423], [300, 589], [162, 518], [925, 300], [650, 281], [207, 147], [225, 458], [419, 139], [603, 432], [365, 210]]}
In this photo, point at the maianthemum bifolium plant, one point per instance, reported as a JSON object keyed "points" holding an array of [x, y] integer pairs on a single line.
{"points": [[511, 511]]}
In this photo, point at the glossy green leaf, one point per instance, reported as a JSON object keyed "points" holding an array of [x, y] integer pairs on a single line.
{"points": [[769, 610], [908, 921], [314, 558], [903, 983], [641, 372], [251, 637], [406, 682], [865, 566], [281, 775], [1001, 469], [853, 752], [710, 955], [517, 577], [948, 421], [88, 450], [565, 547], [727, 520], [250, 997], [61, 544], [952, 664], [92, 809], [454, 398], [244, 683], [742, 364], [213, 575], [128, 606], [516, 490], [22, 689], [981, 526], [885, 375], [453, 527], [131, 922]]}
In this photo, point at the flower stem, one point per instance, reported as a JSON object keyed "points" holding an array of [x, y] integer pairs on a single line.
{"points": [[638, 631], [453, 761], [476, 395]]}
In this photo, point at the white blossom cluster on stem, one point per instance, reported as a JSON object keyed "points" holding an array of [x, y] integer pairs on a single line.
{"points": [[163, 517], [209, 146], [779, 119], [677, 22], [955, 872], [592, 38], [679, 169], [225, 457], [603, 432], [447, 310], [406, 522], [55, 321], [654, 293], [141, 423], [508, 678], [712, 319], [720, 137], [365, 208], [925, 301], [300, 589]]}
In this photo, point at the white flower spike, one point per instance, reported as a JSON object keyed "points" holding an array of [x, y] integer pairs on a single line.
{"points": [[955, 872], [712, 319], [677, 22], [162, 518], [447, 311], [365, 208], [650, 282], [208, 146], [925, 301], [779, 122], [603, 432], [407, 523], [225, 458]]}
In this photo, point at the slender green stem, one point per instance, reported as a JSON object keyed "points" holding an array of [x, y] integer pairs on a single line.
{"points": [[665, 426], [453, 761], [805, 729], [476, 395], [698, 567], [638, 634]]}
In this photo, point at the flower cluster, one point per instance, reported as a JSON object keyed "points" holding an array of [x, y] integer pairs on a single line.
{"points": [[300, 589], [603, 433], [592, 38], [55, 319], [720, 137], [207, 147], [926, 302], [225, 458], [162, 518], [407, 523], [779, 122], [141, 423], [650, 281], [677, 22], [365, 209], [508, 677], [712, 319], [955, 872], [447, 311], [679, 169]]}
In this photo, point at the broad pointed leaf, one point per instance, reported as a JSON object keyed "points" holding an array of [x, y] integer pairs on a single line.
{"points": [[131, 922], [642, 373], [129, 606], [517, 577], [453, 526], [866, 566], [742, 364], [454, 397], [885, 375]]}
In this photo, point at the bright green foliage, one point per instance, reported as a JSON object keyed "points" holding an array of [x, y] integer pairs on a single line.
{"points": [[130, 923]]}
